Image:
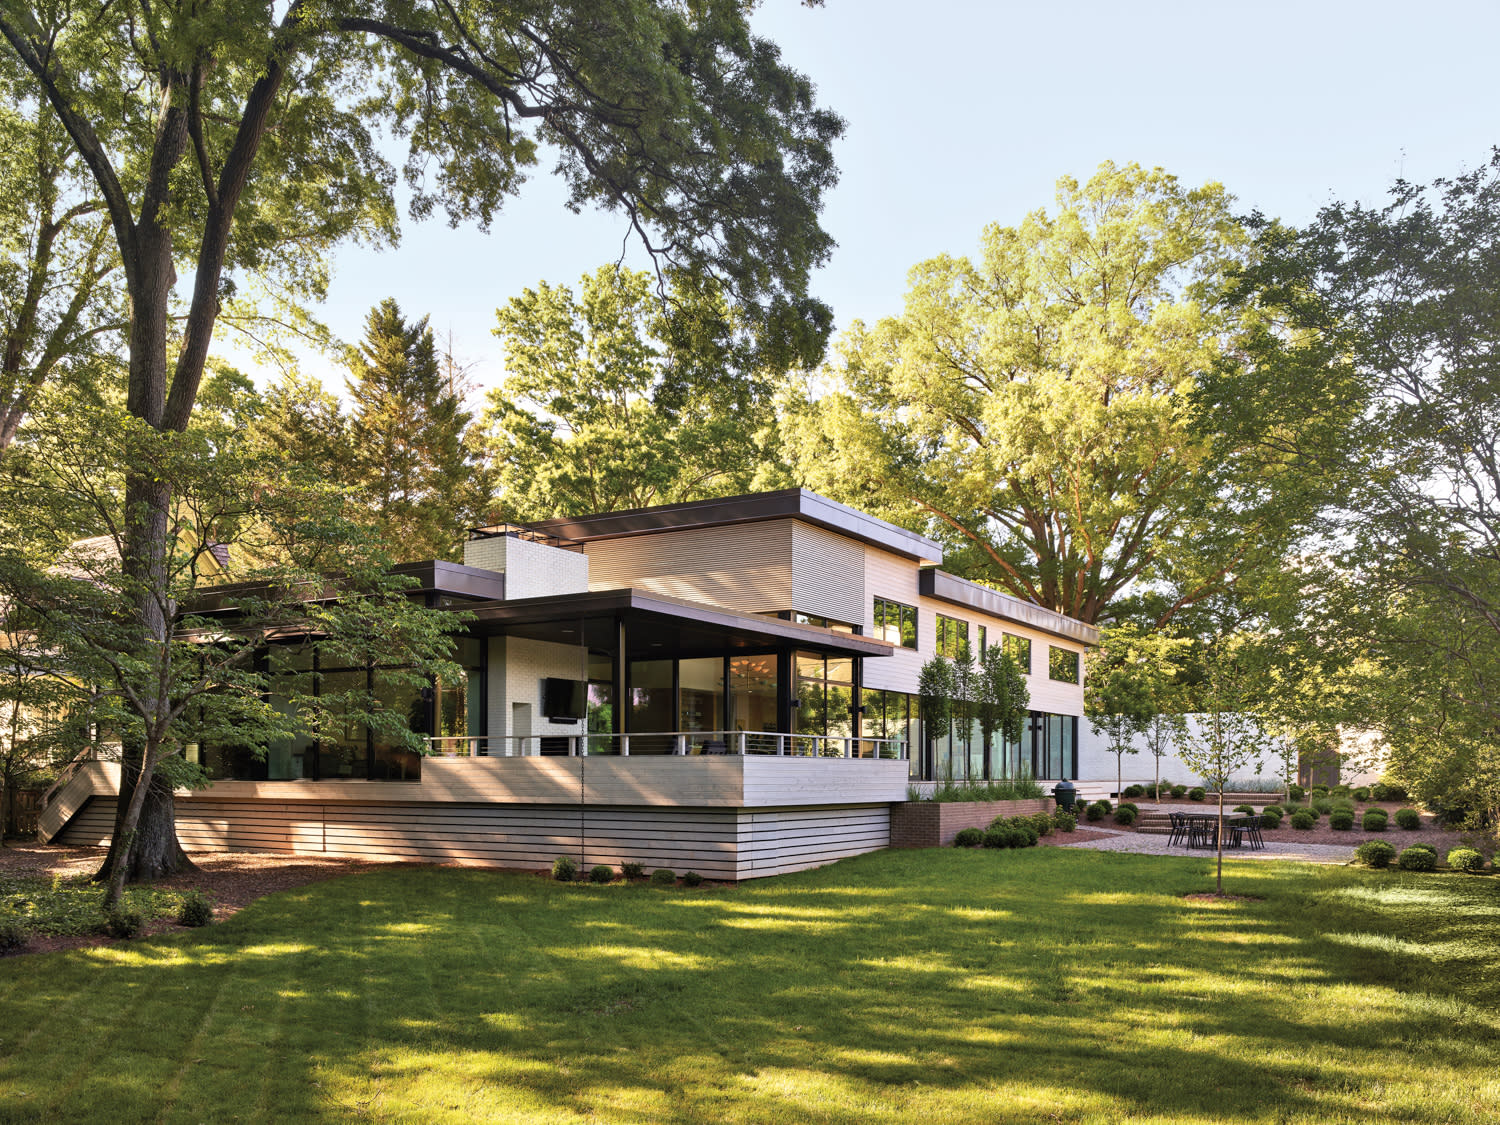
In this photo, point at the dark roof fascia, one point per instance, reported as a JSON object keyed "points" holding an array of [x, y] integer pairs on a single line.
{"points": [[431, 575], [567, 608], [945, 587], [758, 507]]}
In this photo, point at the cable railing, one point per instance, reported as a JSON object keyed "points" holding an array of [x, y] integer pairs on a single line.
{"points": [[669, 744]]}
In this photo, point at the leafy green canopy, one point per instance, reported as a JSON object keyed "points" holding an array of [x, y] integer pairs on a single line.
{"points": [[1034, 407], [1377, 371], [615, 400]]}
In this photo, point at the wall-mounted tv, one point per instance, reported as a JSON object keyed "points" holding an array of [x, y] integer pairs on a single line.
{"points": [[564, 700]]}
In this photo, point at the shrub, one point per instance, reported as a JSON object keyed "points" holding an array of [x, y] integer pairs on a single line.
{"points": [[1466, 859], [1277, 809], [1271, 818], [1295, 793], [1095, 811], [1244, 808], [1408, 818], [1319, 790], [1041, 822], [1303, 819], [564, 870], [1380, 791], [691, 878], [1321, 805], [1064, 822], [1417, 859], [1423, 847], [1125, 815], [1362, 794], [633, 870], [1312, 811], [664, 877], [969, 838], [13, 935], [195, 910], [1341, 819], [1104, 804], [1395, 792], [1340, 791], [1134, 791], [601, 873], [999, 836], [1375, 853], [1179, 790], [122, 922], [1196, 793], [1374, 820]]}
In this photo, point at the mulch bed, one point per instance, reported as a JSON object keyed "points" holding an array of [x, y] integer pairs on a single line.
{"points": [[230, 880]]}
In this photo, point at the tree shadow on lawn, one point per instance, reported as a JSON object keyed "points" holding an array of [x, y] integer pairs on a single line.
{"points": [[903, 986]]}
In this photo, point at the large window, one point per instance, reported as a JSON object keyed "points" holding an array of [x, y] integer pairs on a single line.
{"points": [[824, 688], [896, 623], [1019, 650], [889, 715], [951, 633], [1062, 664]]}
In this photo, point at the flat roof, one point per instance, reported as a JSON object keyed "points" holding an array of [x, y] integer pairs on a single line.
{"points": [[657, 625], [944, 587], [756, 507]]}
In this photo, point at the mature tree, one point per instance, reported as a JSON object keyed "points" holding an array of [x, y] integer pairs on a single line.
{"points": [[618, 398], [198, 682], [236, 143], [59, 311], [407, 448], [1377, 368], [1035, 408]]}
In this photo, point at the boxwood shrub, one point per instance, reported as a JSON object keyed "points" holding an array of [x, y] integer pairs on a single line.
{"points": [[195, 910], [1196, 793], [564, 870], [1295, 793], [969, 838], [1096, 811], [1362, 794], [1374, 820], [601, 873], [1465, 859], [1408, 818], [1125, 815], [664, 877], [1375, 853], [1271, 818], [1179, 791], [691, 878], [633, 870], [1134, 791], [1341, 819], [1417, 858], [1244, 808], [1303, 819]]}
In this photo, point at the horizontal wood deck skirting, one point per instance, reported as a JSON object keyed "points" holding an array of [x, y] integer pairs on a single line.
{"points": [[740, 818]]}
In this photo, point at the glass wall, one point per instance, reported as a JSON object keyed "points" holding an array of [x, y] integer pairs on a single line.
{"points": [[1047, 751], [752, 695], [601, 704], [891, 715], [701, 683], [652, 707]]}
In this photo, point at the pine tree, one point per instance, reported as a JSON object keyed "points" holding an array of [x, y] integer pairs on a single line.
{"points": [[408, 426]]}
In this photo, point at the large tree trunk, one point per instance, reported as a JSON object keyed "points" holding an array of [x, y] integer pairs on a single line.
{"points": [[154, 852]]}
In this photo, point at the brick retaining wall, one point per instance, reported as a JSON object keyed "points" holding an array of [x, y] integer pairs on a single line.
{"points": [[934, 824]]}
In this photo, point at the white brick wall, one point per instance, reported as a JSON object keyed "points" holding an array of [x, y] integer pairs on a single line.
{"points": [[517, 668], [532, 570]]}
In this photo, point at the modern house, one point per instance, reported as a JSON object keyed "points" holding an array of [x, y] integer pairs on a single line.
{"points": [[727, 686]]}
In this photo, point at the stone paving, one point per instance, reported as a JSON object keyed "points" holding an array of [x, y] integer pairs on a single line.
{"points": [[1139, 843]]}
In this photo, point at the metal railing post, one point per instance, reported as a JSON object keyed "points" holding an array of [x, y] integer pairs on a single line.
{"points": [[624, 745]]}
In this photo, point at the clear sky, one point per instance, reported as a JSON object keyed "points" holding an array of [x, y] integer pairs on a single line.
{"points": [[962, 114]]}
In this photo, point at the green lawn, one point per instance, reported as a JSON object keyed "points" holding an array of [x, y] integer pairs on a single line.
{"points": [[929, 987]]}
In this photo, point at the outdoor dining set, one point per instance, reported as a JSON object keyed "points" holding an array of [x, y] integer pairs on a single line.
{"points": [[1201, 830]]}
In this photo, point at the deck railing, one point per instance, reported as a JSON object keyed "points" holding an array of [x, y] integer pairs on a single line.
{"points": [[669, 743]]}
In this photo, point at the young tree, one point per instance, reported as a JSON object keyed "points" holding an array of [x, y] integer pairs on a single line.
{"points": [[1035, 408], [237, 141], [935, 692], [1229, 735], [1129, 681], [1004, 700], [1164, 733], [410, 460]]}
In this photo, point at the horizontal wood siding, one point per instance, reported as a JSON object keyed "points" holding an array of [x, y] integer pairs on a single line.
{"points": [[779, 841], [747, 568], [828, 574], [822, 781], [91, 779], [90, 826]]}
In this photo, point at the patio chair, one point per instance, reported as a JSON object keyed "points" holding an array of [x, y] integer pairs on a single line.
{"points": [[1203, 832], [1179, 832], [1247, 828]]}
